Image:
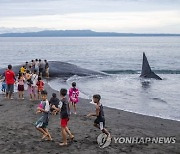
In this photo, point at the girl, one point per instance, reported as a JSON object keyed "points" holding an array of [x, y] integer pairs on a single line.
{"points": [[40, 85], [21, 80], [73, 95], [29, 83]]}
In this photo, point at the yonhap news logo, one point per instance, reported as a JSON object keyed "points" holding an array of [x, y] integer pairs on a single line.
{"points": [[145, 140], [104, 141]]}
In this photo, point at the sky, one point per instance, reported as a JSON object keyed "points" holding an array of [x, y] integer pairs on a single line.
{"points": [[124, 16]]}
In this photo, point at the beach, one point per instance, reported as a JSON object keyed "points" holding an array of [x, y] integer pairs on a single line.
{"points": [[18, 134]]}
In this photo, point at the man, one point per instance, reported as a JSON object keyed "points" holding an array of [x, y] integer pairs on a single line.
{"points": [[40, 68], [10, 80], [46, 68]]}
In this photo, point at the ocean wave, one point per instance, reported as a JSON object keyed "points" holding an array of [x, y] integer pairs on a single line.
{"points": [[139, 71]]}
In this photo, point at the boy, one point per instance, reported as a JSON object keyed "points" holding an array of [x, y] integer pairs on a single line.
{"points": [[64, 109], [54, 101], [42, 123], [40, 85], [100, 120], [3, 88]]}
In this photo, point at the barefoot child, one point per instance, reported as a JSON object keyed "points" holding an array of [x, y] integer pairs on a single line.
{"points": [[21, 80], [42, 123], [100, 120], [3, 88], [73, 95], [54, 101], [64, 109], [40, 85]]}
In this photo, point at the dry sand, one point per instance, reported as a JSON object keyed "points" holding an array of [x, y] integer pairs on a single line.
{"points": [[18, 134]]}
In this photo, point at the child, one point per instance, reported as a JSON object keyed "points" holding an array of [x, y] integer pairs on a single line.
{"points": [[42, 123], [100, 120], [64, 109], [54, 101], [3, 88], [73, 95], [40, 85], [23, 69], [21, 80]]}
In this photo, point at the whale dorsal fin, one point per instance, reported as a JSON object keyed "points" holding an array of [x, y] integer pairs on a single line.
{"points": [[146, 69]]}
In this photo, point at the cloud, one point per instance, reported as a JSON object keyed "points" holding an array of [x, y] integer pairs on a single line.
{"points": [[115, 21], [100, 15]]}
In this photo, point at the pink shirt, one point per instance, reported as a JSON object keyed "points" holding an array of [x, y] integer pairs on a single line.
{"points": [[21, 81], [73, 95]]}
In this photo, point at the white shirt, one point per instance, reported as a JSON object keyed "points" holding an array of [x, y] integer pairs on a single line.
{"points": [[47, 108], [34, 79]]}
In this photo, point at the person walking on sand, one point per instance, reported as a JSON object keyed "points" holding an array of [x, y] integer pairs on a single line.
{"points": [[21, 80], [42, 123], [73, 96], [64, 109], [34, 79], [54, 101], [46, 68], [100, 120], [36, 65], [41, 68], [40, 85], [32, 65], [29, 83], [10, 80]]}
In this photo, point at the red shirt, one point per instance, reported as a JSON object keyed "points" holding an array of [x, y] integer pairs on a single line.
{"points": [[40, 85], [10, 77]]}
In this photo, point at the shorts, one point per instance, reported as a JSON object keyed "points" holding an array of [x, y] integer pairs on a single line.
{"points": [[40, 70], [20, 87], [64, 122], [47, 70], [100, 122], [31, 90], [10, 88], [40, 124]]}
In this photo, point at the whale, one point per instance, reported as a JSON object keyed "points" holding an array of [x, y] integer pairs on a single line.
{"points": [[146, 71], [61, 69]]}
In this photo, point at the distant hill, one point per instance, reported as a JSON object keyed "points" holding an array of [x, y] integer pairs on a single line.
{"points": [[78, 33]]}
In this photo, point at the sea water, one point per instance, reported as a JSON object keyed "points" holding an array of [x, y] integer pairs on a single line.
{"points": [[121, 59]]}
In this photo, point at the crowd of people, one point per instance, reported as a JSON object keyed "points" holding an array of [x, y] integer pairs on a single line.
{"points": [[32, 74]]}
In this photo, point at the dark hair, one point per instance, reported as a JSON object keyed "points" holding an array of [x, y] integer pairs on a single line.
{"points": [[20, 75], [35, 71], [32, 60], [44, 92], [26, 62], [36, 59], [97, 96], [39, 59], [74, 84], [39, 78], [45, 60], [9, 67], [27, 71], [54, 95], [63, 92]]}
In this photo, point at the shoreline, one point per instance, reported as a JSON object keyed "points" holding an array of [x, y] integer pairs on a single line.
{"points": [[18, 134], [131, 112]]}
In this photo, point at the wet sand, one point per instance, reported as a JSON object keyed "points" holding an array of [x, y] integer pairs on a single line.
{"points": [[18, 134]]}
